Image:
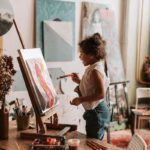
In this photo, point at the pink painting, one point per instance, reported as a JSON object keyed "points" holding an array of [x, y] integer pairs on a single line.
{"points": [[100, 18], [42, 84]]}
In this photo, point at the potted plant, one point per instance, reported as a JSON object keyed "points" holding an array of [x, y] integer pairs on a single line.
{"points": [[7, 72]]}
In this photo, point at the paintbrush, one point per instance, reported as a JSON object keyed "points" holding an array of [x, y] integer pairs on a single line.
{"points": [[95, 145], [67, 75]]}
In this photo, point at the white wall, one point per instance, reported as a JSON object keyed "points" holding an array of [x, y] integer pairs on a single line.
{"points": [[127, 19], [132, 42], [24, 17], [131, 47]]}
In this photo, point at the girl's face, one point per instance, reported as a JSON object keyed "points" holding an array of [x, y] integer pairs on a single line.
{"points": [[86, 59]]}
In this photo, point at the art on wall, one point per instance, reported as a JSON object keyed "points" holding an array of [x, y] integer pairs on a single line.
{"points": [[18, 84], [100, 18], [54, 74], [38, 76], [143, 44], [51, 17], [56, 42]]}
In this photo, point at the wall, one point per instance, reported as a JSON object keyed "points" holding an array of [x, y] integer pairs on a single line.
{"points": [[131, 48], [24, 17], [25, 21], [132, 30]]}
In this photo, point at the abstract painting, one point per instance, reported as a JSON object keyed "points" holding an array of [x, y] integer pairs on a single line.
{"points": [[42, 83], [19, 84], [100, 18], [56, 42], [61, 12], [38, 76], [6, 18]]}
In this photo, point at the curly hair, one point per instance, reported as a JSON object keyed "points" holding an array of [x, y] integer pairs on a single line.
{"points": [[94, 45]]}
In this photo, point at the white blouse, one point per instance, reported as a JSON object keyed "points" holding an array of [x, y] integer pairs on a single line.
{"points": [[87, 85]]}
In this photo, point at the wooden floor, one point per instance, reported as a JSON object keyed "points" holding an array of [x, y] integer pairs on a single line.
{"points": [[126, 134], [143, 132]]}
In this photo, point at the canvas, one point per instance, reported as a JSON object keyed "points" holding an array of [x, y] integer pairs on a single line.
{"points": [[56, 42], [38, 76], [58, 11], [18, 84], [100, 18]]}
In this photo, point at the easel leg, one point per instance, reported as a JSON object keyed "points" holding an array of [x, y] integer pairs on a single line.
{"points": [[37, 129]]}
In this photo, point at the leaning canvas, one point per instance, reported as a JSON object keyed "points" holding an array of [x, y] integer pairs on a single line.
{"points": [[38, 76]]}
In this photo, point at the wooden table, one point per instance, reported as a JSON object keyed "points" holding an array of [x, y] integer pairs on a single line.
{"points": [[137, 115], [15, 143]]}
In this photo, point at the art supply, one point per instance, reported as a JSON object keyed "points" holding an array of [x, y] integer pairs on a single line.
{"points": [[65, 76], [24, 110], [73, 144], [23, 122], [22, 116], [49, 143], [55, 119], [95, 146], [17, 108]]}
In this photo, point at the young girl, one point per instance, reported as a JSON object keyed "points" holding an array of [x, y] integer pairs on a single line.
{"points": [[93, 86]]}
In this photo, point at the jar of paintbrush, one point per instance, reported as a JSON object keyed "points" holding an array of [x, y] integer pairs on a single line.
{"points": [[22, 118]]}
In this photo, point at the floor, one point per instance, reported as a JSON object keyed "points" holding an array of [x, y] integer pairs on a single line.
{"points": [[145, 133], [124, 137]]}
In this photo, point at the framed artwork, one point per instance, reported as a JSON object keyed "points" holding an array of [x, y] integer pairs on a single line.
{"points": [[53, 19], [39, 79], [143, 44], [101, 18]]}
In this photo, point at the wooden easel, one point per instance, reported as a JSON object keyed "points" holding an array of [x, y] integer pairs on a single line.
{"points": [[41, 126]]}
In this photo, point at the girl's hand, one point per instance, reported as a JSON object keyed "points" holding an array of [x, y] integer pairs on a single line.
{"points": [[76, 101], [75, 78]]}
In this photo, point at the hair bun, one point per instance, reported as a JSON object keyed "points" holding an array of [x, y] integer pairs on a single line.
{"points": [[97, 36]]}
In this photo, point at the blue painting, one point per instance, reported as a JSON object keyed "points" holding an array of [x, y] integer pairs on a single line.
{"points": [[19, 84], [59, 12]]}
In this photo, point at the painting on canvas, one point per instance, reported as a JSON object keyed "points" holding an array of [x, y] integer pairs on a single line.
{"points": [[43, 85], [56, 42], [101, 18], [39, 78], [52, 20]]}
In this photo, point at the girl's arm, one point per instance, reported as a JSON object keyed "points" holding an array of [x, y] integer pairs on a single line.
{"points": [[99, 90]]}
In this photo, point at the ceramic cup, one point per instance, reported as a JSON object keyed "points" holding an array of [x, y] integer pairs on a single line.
{"points": [[73, 144]]}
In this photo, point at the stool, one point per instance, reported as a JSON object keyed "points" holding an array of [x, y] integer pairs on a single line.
{"points": [[140, 118]]}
